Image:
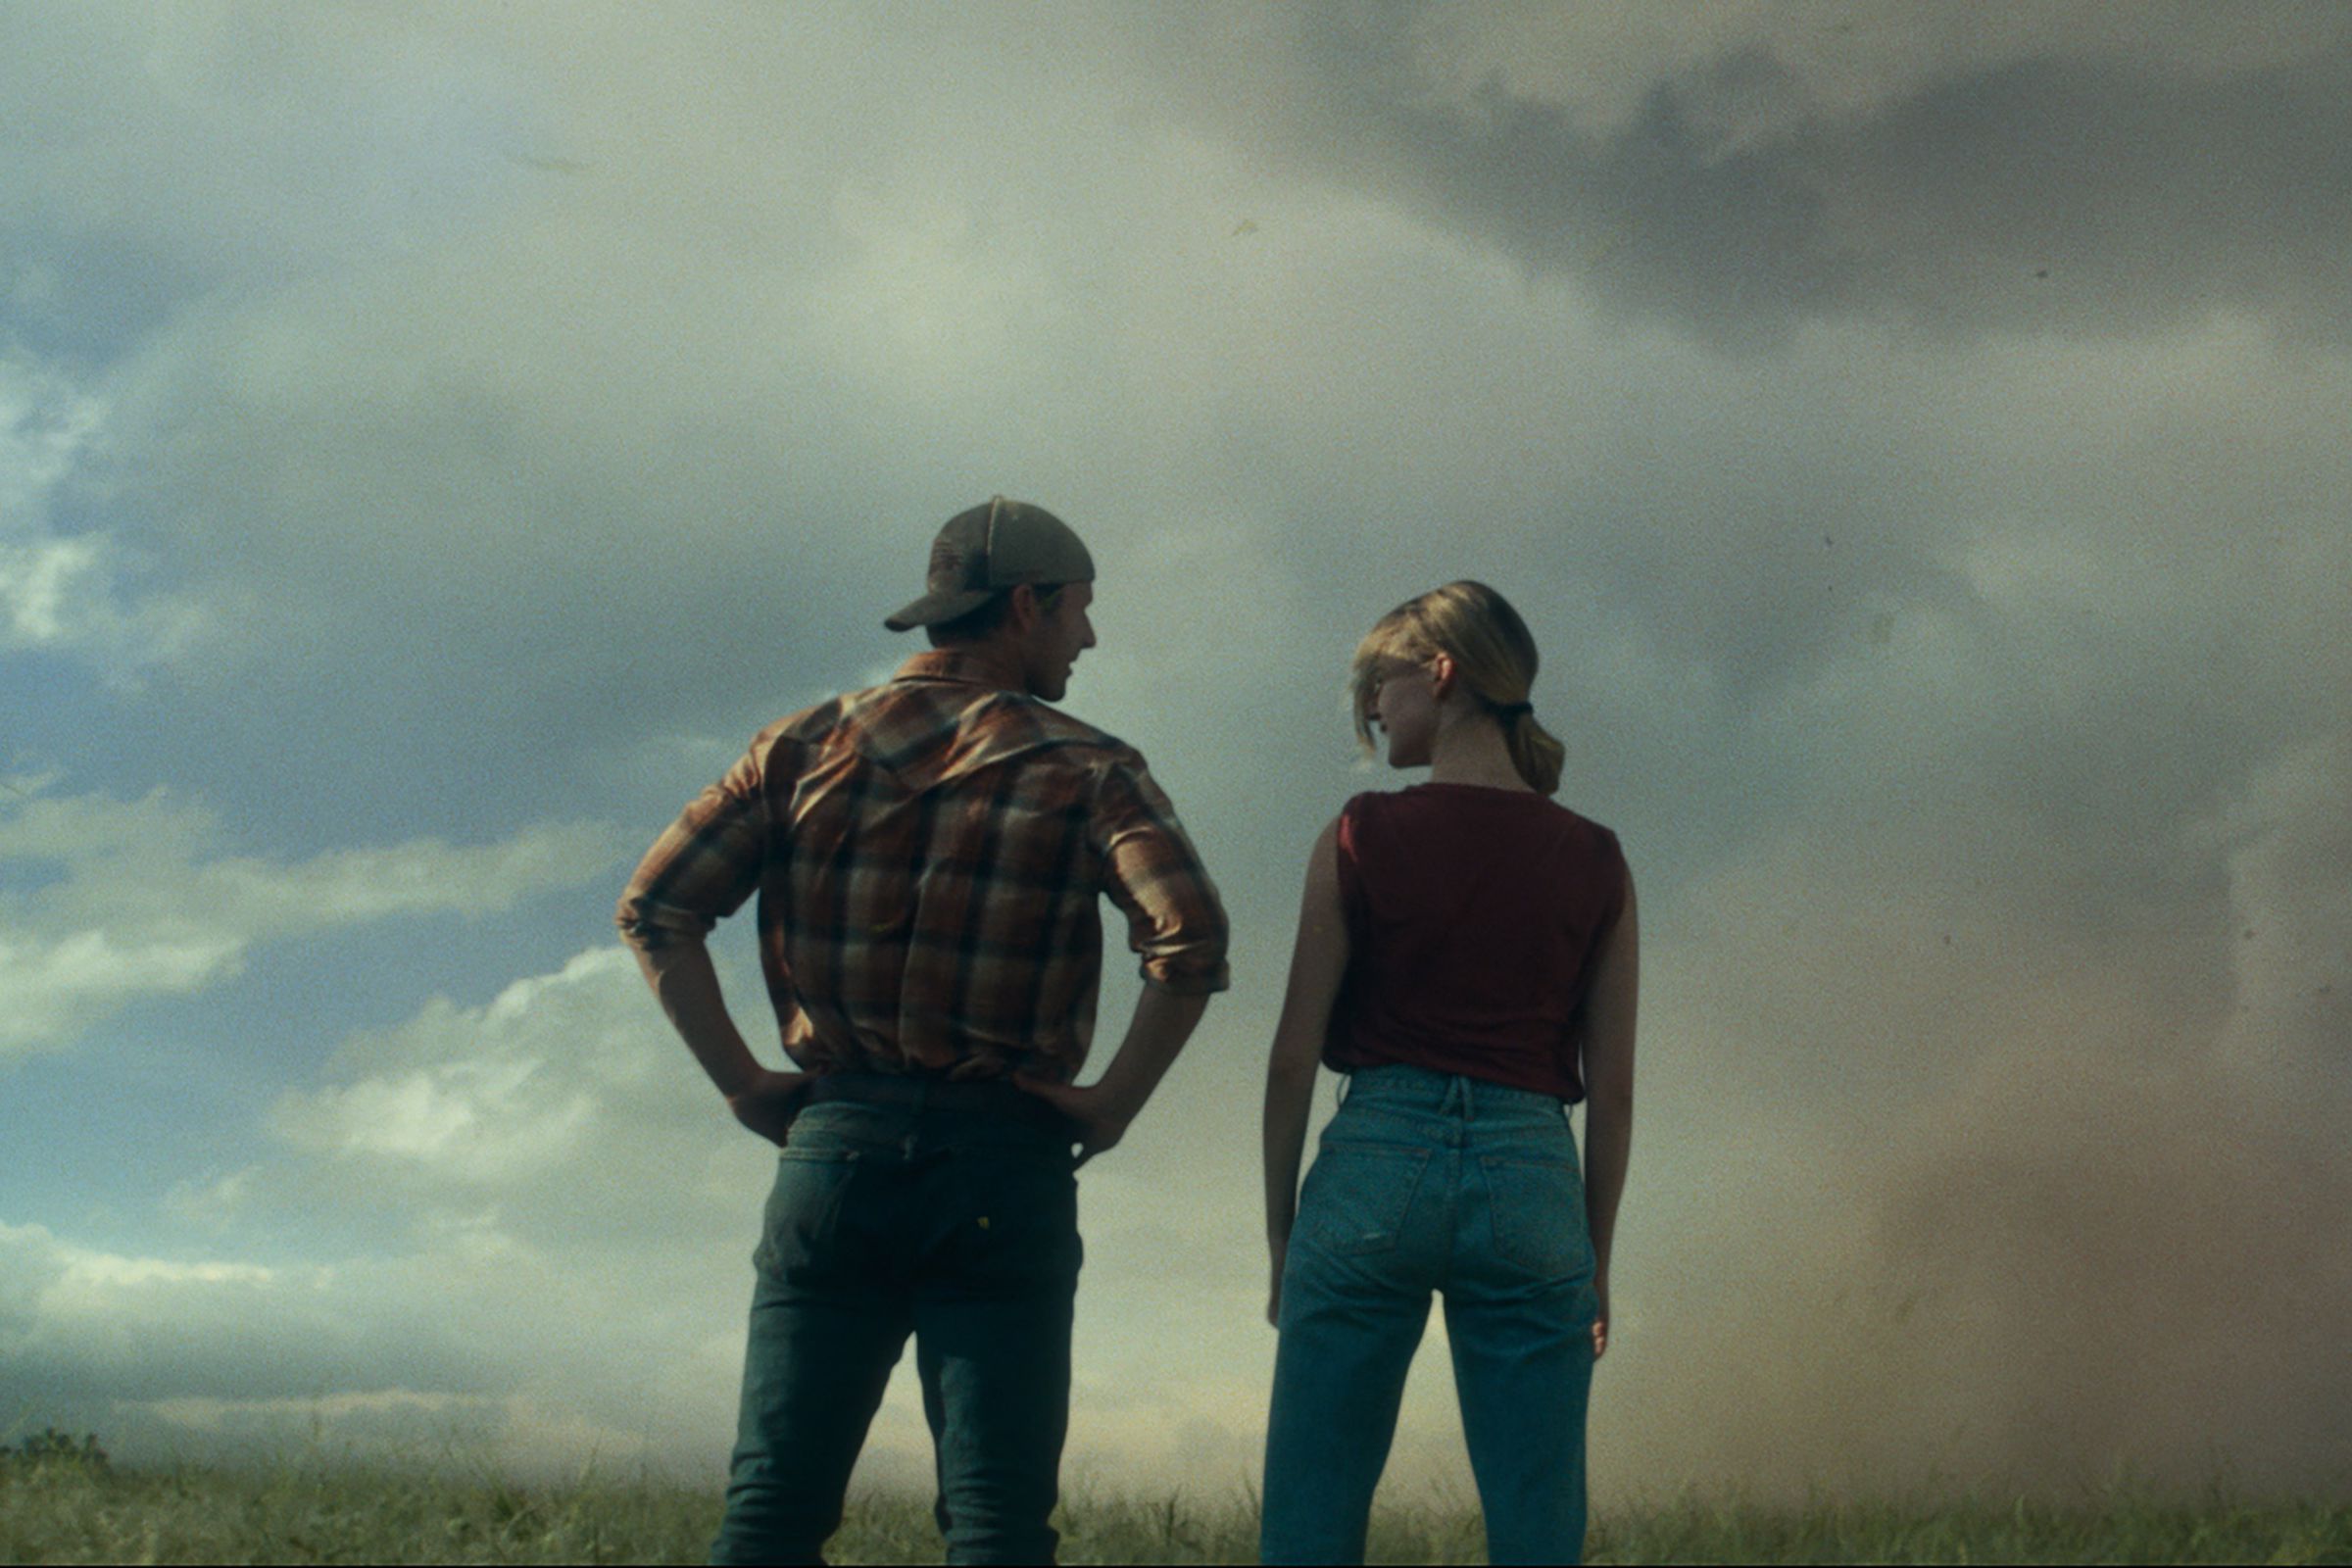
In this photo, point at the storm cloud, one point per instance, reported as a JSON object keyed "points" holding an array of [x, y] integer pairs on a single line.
{"points": [[2056, 174]]}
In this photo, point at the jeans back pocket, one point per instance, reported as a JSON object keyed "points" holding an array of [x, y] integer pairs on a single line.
{"points": [[800, 1230], [1357, 1196], [1538, 1207]]}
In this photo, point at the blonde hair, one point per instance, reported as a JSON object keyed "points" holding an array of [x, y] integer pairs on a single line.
{"points": [[1490, 648]]}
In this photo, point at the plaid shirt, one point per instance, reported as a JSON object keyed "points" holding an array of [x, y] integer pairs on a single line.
{"points": [[927, 856]]}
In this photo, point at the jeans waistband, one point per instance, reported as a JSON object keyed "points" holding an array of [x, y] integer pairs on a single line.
{"points": [[998, 1097], [1449, 1094]]}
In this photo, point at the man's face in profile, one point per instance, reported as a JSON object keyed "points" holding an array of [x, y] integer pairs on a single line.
{"points": [[1053, 644]]}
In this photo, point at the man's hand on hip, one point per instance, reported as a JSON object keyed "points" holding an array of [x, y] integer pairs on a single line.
{"points": [[1102, 1112], [769, 1102], [1097, 1121]]}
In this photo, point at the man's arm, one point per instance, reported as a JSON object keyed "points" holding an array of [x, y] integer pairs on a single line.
{"points": [[1318, 962], [701, 870], [687, 985], [1175, 924], [1605, 1043], [1163, 1021]]}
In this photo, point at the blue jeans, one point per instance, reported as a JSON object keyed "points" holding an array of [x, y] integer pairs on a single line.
{"points": [[960, 1227], [1426, 1183]]}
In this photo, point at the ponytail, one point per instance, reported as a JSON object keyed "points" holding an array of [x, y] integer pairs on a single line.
{"points": [[1536, 751]]}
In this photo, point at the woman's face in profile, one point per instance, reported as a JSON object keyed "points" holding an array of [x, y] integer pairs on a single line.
{"points": [[1404, 709]]}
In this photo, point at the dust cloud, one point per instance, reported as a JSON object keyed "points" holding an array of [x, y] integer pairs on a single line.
{"points": [[2082, 1271], [2099, 1235]]}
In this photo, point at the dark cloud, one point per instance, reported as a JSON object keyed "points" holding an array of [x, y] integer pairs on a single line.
{"points": [[2045, 194]]}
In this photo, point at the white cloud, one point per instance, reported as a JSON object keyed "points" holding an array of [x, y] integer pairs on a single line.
{"points": [[442, 1117], [52, 989], [35, 583], [493, 1095], [93, 1279], [211, 1205], [64, 592], [68, 591], [148, 901], [561, 1111], [44, 425]]}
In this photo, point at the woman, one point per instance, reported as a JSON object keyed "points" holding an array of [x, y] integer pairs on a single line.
{"points": [[1467, 955]]}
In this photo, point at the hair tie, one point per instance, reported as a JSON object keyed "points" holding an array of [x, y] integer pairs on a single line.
{"points": [[1513, 709]]}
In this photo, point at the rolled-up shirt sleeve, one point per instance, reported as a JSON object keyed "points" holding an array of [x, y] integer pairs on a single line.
{"points": [[1174, 921], [703, 867]]}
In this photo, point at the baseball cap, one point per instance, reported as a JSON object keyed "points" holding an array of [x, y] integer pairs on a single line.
{"points": [[993, 547]]}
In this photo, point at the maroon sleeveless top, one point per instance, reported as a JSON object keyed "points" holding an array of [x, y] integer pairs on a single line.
{"points": [[1472, 917]]}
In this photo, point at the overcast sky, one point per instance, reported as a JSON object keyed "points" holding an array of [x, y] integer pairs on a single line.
{"points": [[433, 440]]}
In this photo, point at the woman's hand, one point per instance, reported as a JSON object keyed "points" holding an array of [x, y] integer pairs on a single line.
{"points": [[1280, 1247], [1601, 1319]]}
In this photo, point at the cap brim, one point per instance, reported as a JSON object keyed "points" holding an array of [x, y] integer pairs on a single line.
{"points": [[932, 609]]}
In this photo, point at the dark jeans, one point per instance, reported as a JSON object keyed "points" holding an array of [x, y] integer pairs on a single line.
{"points": [[958, 1225], [1434, 1183]]}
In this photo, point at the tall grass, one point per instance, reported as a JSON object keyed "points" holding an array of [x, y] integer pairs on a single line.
{"points": [[62, 1511]]}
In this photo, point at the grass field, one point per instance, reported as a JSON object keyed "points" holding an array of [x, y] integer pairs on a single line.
{"points": [[71, 1511]]}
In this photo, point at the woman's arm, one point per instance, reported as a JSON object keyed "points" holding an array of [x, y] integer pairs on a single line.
{"points": [[1605, 1044], [1317, 963]]}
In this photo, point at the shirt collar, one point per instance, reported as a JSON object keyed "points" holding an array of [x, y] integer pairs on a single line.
{"points": [[976, 665]]}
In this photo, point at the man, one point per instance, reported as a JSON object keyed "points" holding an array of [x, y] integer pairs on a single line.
{"points": [[927, 855]]}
